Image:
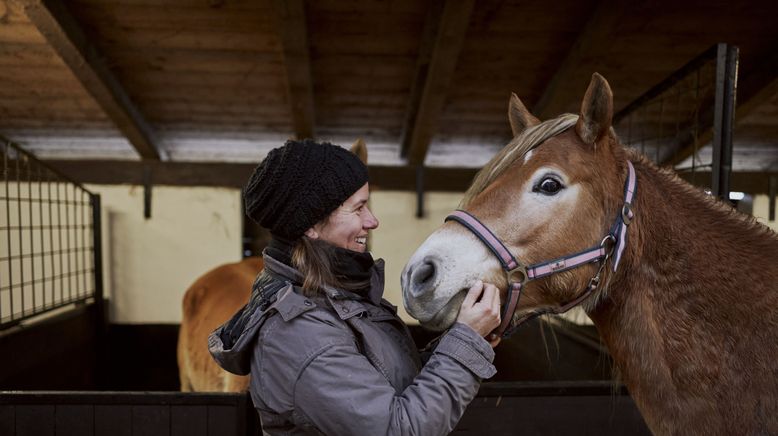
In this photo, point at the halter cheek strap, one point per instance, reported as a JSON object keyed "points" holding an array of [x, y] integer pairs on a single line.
{"points": [[626, 216], [614, 242]]}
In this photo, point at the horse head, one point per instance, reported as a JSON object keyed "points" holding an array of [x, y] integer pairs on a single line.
{"points": [[552, 191]]}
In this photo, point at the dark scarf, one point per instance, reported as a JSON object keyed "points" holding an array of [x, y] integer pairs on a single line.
{"points": [[348, 266], [280, 249]]}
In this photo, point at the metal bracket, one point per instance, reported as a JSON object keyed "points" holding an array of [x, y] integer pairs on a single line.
{"points": [[420, 191], [147, 183]]}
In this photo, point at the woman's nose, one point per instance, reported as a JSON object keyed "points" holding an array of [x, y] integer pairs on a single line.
{"points": [[371, 222]]}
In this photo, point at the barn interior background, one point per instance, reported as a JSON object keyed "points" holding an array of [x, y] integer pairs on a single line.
{"points": [[163, 107]]}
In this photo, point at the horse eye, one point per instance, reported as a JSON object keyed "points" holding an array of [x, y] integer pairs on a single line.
{"points": [[548, 186]]}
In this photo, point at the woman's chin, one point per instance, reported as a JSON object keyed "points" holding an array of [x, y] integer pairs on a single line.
{"points": [[359, 248]]}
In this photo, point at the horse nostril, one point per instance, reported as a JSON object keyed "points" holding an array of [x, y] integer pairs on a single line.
{"points": [[422, 278], [425, 272]]}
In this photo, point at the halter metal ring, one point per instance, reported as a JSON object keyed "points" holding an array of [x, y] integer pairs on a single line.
{"points": [[609, 244], [520, 269]]}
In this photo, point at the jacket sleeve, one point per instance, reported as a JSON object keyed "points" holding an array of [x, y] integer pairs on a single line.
{"points": [[342, 393]]}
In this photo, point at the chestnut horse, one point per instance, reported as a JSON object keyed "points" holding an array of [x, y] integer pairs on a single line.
{"points": [[210, 302], [689, 311]]}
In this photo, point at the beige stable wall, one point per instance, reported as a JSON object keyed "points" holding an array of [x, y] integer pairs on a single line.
{"points": [[148, 264], [762, 211]]}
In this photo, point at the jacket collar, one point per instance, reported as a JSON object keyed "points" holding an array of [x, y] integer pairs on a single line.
{"points": [[375, 293]]}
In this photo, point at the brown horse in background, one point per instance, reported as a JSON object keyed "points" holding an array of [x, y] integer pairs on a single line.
{"points": [[210, 302], [691, 314]]}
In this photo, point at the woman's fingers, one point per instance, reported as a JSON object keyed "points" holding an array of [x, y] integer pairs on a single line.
{"points": [[488, 297], [497, 297], [482, 315]]}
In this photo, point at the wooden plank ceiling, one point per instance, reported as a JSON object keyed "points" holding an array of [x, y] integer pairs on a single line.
{"points": [[423, 82]]}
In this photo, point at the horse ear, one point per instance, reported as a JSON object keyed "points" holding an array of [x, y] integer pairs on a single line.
{"points": [[596, 111], [360, 149], [519, 116]]}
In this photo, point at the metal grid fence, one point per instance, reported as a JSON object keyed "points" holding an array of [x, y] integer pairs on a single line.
{"points": [[49, 238], [676, 119]]}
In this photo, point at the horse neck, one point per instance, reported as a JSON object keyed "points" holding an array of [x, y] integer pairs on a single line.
{"points": [[684, 294]]}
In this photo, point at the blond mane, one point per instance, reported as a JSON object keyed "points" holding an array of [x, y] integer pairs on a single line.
{"points": [[530, 138]]}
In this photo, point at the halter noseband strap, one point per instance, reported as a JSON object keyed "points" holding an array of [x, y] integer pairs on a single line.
{"points": [[614, 242]]}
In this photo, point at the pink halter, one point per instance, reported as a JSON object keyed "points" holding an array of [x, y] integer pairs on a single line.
{"points": [[614, 242]]}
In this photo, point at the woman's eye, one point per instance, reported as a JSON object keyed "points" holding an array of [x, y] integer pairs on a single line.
{"points": [[548, 186]]}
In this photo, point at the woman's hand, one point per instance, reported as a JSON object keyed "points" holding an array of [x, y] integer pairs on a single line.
{"points": [[482, 315]]}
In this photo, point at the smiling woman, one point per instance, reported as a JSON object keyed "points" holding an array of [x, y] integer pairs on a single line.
{"points": [[326, 353]]}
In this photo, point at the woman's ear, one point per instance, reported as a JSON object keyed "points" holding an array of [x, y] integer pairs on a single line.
{"points": [[312, 233]]}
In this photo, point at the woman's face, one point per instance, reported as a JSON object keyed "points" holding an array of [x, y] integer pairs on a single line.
{"points": [[348, 225]]}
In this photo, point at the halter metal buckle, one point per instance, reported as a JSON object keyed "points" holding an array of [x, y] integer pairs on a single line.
{"points": [[626, 213], [520, 269]]}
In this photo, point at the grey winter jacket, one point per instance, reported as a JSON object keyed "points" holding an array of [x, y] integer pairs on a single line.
{"points": [[341, 364]]}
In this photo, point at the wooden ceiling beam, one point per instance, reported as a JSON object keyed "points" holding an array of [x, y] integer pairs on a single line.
{"points": [[391, 178], [442, 40], [293, 32], [234, 175], [66, 37], [593, 39], [756, 86]]}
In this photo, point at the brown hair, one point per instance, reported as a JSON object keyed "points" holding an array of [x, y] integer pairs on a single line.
{"points": [[315, 259]]}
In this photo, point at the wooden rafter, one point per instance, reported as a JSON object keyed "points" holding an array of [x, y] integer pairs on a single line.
{"points": [[443, 37], [757, 86], [293, 33], [234, 175], [594, 36], [66, 37]]}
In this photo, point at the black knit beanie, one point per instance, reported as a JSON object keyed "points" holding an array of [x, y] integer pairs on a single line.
{"points": [[299, 184]]}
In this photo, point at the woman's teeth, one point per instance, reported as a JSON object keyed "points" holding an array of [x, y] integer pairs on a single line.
{"points": [[362, 240]]}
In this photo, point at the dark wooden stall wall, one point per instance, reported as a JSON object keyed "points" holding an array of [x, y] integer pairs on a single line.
{"points": [[540, 351], [65, 353], [126, 414], [58, 353], [140, 357], [526, 408], [143, 357], [552, 408]]}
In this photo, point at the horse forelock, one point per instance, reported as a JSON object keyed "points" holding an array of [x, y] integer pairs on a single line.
{"points": [[530, 138]]}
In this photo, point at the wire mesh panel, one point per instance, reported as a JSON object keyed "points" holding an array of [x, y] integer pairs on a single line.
{"points": [[674, 122], [47, 238]]}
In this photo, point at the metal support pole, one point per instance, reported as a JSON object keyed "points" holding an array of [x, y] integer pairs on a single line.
{"points": [[724, 119], [100, 308], [97, 259]]}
